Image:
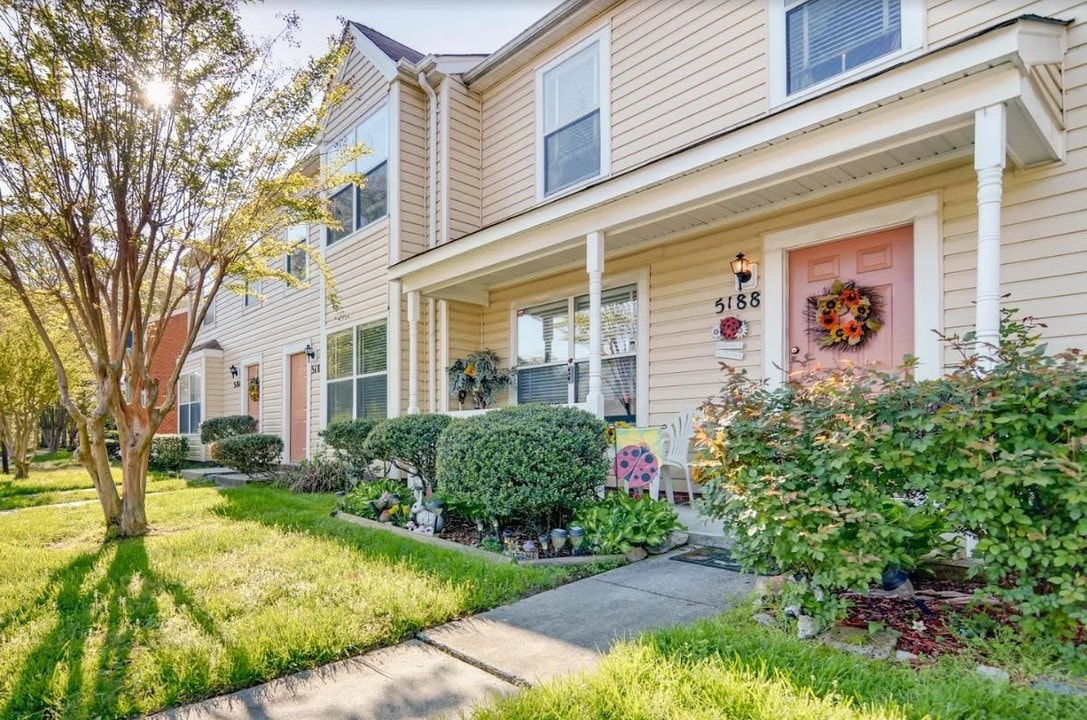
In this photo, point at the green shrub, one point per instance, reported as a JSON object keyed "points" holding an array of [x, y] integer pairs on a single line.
{"points": [[218, 428], [361, 500], [319, 475], [809, 474], [248, 454], [539, 462], [409, 443], [619, 522], [348, 439], [168, 453]]}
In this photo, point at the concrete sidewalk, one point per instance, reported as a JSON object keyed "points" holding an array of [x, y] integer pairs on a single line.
{"points": [[449, 669]]}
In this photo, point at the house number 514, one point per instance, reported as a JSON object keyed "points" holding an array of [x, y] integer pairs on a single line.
{"points": [[740, 302]]}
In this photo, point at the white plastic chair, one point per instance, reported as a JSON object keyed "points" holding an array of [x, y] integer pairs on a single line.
{"points": [[677, 447]]}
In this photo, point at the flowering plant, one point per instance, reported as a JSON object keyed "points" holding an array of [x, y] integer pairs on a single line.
{"points": [[845, 316], [478, 376]]}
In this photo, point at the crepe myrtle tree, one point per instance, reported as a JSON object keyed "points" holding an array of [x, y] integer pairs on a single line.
{"points": [[151, 154]]}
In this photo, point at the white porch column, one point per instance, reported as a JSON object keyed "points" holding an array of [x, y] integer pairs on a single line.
{"points": [[990, 134], [413, 352], [594, 243]]}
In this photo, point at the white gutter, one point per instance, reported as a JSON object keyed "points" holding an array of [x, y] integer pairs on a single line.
{"points": [[432, 207]]}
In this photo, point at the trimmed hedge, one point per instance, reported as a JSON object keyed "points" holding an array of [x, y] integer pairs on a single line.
{"points": [[218, 428], [409, 442], [248, 454], [168, 453], [538, 462], [348, 439]]}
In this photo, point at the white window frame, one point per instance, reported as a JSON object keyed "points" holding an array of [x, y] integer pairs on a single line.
{"points": [[913, 17], [293, 248], [923, 213], [355, 376], [203, 405], [640, 279], [603, 37], [346, 140], [251, 299]]}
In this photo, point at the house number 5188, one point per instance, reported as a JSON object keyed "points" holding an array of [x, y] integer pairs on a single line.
{"points": [[740, 302]]}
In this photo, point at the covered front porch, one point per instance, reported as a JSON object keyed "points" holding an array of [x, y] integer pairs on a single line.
{"points": [[638, 265]]}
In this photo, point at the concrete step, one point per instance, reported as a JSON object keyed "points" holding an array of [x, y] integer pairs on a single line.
{"points": [[703, 530]]}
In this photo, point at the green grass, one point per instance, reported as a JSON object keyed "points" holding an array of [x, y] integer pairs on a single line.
{"points": [[49, 457], [50, 486], [732, 668], [230, 589]]}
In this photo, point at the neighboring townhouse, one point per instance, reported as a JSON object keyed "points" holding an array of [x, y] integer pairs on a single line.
{"points": [[630, 193]]}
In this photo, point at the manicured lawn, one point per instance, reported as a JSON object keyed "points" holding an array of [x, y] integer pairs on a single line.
{"points": [[230, 589], [732, 668], [49, 486]]}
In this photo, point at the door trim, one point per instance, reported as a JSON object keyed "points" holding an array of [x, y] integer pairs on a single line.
{"points": [[243, 401], [924, 214], [289, 350]]}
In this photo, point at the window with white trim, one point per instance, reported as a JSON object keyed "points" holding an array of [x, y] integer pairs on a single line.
{"points": [[297, 260], [358, 377], [355, 207], [189, 391], [827, 39], [251, 297], [573, 97], [553, 352]]}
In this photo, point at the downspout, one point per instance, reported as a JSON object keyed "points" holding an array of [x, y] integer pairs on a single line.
{"points": [[432, 207]]}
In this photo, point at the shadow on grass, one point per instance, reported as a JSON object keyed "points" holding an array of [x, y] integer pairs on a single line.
{"points": [[101, 605]]}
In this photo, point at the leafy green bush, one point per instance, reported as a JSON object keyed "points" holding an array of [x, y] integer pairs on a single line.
{"points": [[219, 428], [362, 500], [619, 522], [348, 439], [539, 462], [853, 470], [319, 475], [168, 453], [409, 442], [248, 454]]}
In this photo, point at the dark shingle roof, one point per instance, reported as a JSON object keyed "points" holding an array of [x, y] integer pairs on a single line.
{"points": [[387, 45]]}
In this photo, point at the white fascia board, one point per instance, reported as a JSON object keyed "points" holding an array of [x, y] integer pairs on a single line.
{"points": [[941, 68], [373, 53], [921, 115]]}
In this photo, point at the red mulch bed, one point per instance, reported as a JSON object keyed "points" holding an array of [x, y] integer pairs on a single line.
{"points": [[929, 636]]}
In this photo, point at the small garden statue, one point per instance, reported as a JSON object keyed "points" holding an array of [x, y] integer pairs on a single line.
{"points": [[479, 377]]}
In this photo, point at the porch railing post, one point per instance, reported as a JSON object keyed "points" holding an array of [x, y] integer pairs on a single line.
{"points": [[413, 352], [594, 243], [990, 135]]}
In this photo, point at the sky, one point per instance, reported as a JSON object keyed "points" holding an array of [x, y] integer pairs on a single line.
{"points": [[429, 26]]}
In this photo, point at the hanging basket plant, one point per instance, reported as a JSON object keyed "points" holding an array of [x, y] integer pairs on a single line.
{"points": [[845, 316], [479, 377], [254, 389]]}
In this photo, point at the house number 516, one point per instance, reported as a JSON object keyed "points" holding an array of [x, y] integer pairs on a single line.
{"points": [[740, 302]]}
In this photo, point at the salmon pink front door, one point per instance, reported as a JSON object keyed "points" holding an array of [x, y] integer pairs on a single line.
{"points": [[296, 404], [853, 300]]}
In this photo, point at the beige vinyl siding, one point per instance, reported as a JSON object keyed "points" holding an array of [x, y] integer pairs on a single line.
{"points": [[465, 333], [424, 356], [369, 90], [464, 160], [683, 72], [508, 149], [414, 168], [359, 270]]}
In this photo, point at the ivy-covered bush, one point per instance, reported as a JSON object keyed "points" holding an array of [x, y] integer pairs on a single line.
{"points": [[217, 428], [538, 462], [409, 442], [248, 454], [318, 475], [168, 453], [849, 471], [619, 522], [348, 439]]}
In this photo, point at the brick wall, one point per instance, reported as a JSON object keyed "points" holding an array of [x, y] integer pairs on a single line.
{"points": [[164, 361]]}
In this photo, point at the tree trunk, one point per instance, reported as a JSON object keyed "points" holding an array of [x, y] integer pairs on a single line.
{"points": [[22, 468], [134, 480], [95, 459]]}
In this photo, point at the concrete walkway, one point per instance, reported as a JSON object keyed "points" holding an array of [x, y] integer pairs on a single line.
{"points": [[449, 669]]}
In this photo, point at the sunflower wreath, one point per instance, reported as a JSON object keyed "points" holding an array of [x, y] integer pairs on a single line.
{"points": [[845, 316]]}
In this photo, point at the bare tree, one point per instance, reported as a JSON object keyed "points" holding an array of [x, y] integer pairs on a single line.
{"points": [[149, 151]]}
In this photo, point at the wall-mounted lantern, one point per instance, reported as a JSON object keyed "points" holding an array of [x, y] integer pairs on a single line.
{"points": [[234, 372], [744, 270], [310, 352]]}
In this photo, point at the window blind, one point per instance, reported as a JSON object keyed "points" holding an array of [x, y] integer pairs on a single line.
{"points": [[571, 120]]}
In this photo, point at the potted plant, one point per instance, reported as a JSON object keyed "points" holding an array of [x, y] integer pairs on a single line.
{"points": [[478, 376]]}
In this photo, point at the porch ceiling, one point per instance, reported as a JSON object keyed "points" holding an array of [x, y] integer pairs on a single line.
{"points": [[894, 124]]}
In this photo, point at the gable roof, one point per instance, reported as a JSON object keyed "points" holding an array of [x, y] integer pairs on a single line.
{"points": [[393, 49]]}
